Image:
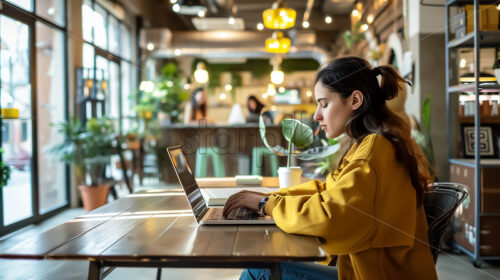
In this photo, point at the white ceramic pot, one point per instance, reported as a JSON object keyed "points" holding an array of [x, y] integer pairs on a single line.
{"points": [[289, 176], [497, 75]]}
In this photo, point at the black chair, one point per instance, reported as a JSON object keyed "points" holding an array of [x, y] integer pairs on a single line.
{"points": [[440, 202]]}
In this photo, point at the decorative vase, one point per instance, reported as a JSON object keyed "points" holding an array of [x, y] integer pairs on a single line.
{"points": [[497, 75], [94, 197], [289, 176]]}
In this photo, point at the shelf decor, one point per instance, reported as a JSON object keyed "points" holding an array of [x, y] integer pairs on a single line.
{"points": [[486, 148]]}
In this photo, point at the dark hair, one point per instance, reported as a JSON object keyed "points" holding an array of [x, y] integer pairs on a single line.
{"points": [[195, 106], [344, 76], [259, 105]]}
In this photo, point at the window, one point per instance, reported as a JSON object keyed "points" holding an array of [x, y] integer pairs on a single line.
{"points": [[108, 50], [25, 4], [52, 10]]}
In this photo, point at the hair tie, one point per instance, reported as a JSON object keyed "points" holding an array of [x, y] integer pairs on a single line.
{"points": [[376, 71]]}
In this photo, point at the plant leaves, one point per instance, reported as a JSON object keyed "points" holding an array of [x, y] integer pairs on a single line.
{"points": [[298, 133], [426, 115], [318, 152]]}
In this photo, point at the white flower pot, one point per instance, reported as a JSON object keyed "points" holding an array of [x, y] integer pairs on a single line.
{"points": [[289, 176], [497, 75]]}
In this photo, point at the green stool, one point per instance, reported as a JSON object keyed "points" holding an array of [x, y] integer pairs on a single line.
{"points": [[258, 154], [202, 155]]}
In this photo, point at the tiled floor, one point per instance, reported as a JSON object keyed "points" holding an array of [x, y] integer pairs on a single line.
{"points": [[449, 267]]}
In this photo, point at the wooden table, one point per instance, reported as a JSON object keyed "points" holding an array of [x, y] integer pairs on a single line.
{"points": [[157, 229]]}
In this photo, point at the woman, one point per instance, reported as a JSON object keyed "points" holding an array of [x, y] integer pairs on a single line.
{"points": [[196, 109], [369, 211], [255, 108]]}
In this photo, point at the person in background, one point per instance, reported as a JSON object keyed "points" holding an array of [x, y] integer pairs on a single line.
{"points": [[370, 211], [196, 109], [255, 108]]}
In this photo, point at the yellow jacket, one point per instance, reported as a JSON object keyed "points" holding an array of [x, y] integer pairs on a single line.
{"points": [[365, 213]]}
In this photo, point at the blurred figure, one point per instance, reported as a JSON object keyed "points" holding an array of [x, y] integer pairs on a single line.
{"points": [[255, 108], [196, 109]]}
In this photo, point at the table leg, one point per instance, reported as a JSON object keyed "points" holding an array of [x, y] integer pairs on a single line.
{"points": [[95, 270], [275, 271]]}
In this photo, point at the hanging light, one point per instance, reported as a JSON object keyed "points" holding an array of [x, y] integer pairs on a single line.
{"points": [[328, 19], [369, 19], [279, 16], [277, 76], [278, 43], [201, 74], [305, 24]]}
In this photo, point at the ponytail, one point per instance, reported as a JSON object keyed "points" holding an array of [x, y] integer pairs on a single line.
{"points": [[390, 85]]}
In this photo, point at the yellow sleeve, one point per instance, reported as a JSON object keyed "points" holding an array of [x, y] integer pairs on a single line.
{"points": [[343, 213], [307, 188]]}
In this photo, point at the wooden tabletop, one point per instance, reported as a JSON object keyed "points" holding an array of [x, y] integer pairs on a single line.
{"points": [[230, 182], [159, 225]]}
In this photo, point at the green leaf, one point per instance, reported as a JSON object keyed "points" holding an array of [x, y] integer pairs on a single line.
{"points": [[318, 152], [298, 133], [426, 115]]}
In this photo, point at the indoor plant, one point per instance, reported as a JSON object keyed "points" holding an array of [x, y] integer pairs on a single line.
{"points": [[496, 68], [89, 149], [4, 172], [301, 136]]}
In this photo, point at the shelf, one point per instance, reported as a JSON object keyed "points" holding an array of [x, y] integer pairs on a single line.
{"points": [[469, 2], [486, 39], [484, 120], [485, 162], [472, 87]]}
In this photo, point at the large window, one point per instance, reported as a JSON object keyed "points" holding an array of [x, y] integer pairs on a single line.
{"points": [[36, 36], [108, 50]]}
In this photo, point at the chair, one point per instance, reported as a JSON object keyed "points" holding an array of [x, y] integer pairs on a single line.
{"points": [[440, 202], [258, 154], [202, 155]]}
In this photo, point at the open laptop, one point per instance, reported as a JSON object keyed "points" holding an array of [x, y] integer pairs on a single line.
{"points": [[205, 215]]}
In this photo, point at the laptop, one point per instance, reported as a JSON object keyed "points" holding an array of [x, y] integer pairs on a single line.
{"points": [[208, 215]]}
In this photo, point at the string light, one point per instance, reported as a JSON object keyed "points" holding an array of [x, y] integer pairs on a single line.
{"points": [[328, 19], [369, 19], [305, 24], [260, 26]]}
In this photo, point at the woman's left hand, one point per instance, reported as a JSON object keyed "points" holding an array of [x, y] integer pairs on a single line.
{"points": [[243, 199]]}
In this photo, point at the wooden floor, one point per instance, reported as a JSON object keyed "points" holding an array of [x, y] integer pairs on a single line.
{"points": [[456, 267]]}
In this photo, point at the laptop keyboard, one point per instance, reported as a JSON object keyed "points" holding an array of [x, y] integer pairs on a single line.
{"points": [[241, 213]]}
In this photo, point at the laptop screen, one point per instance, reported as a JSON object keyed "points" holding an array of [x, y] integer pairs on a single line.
{"points": [[186, 178]]}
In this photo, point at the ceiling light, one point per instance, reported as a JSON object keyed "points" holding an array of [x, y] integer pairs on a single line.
{"points": [[328, 19], [355, 13], [173, 1], [271, 90], [364, 27], [278, 43], [498, 7], [222, 96], [369, 19], [309, 93], [260, 26], [201, 13], [229, 87], [176, 8], [277, 77], [150, 46], [201, 74], [305, 24], [279, 16], [281, 89], [463, 63], [231, 20], [177, 52]]}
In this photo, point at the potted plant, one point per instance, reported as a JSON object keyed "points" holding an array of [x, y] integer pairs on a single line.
{"points": [[496, 68], [4, 172], [301, 136], [89, 149]]}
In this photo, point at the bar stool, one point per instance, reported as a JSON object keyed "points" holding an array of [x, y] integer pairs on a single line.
{"points": [[202, 155], [258, 154]]}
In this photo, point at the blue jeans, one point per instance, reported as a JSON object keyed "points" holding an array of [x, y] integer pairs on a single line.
{"points": [[293, 271]]}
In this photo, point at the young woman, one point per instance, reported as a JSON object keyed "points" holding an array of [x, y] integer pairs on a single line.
{"points": [[369, 211], [255, 108], [196, 109]]}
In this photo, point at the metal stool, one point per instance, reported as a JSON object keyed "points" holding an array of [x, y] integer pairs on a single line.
{"points": [[258, 154], [202, 155]]}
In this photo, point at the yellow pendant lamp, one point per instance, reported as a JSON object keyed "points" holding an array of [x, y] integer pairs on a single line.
{"points": [[279, 16], [277, 43]]}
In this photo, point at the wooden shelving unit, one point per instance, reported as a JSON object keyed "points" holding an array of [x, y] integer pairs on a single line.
{"points": [[477, 223]]}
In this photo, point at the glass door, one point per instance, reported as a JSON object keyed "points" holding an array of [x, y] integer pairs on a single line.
{"points": [[16, 196]]}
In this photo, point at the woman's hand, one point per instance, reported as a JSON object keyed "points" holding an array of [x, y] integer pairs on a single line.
{"points": [[243, 199]]}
